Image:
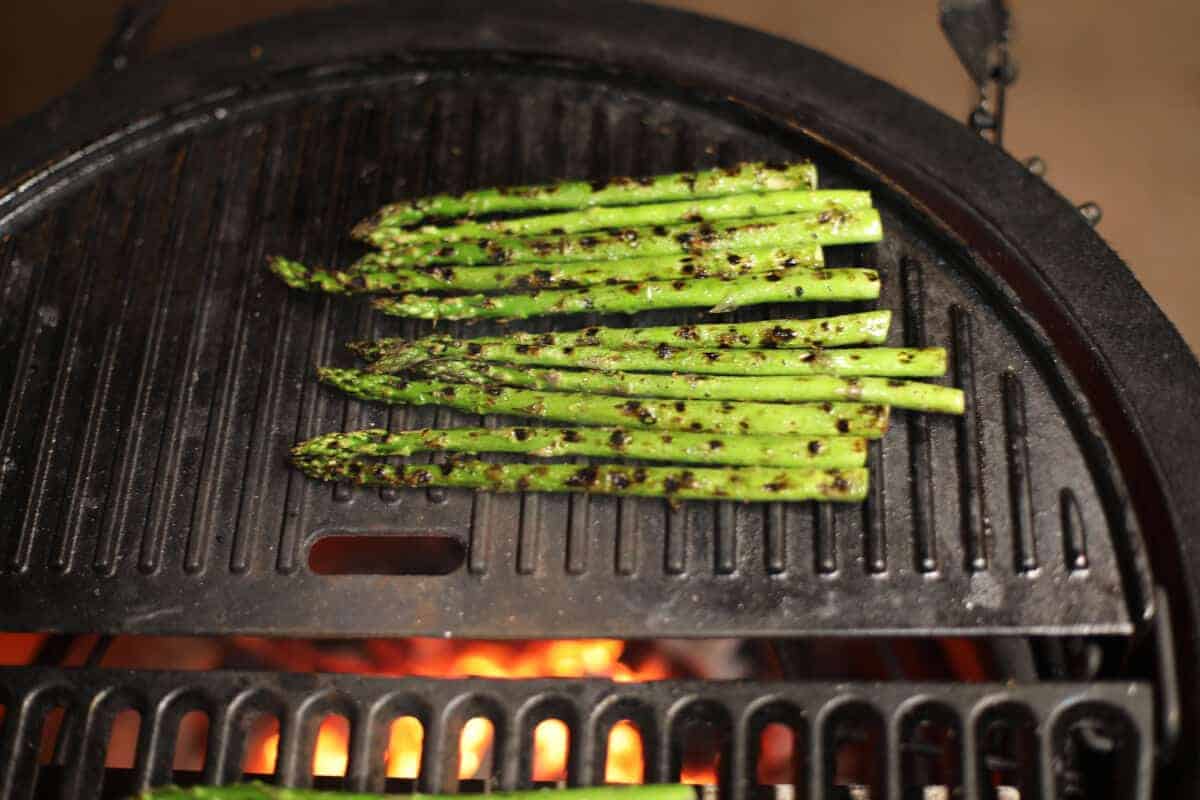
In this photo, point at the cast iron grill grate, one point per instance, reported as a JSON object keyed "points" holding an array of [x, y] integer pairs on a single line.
{"points": [[884, 740], [155, 375]]}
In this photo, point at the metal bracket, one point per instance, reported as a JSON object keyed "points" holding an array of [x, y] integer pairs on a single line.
{"points": [[130, 32], [978, 32]]}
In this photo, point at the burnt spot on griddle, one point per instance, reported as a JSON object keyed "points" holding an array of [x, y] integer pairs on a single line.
{"points": [[815, 447], [521, 434], [585, 477], [618, 439]]}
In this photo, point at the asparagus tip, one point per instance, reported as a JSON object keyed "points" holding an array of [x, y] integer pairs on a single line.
{"points": [[293, 273]]}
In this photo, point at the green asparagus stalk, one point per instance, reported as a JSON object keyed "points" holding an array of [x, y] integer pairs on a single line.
{"points": [[678, 446], [751, 177], [261, 791], [787, 389], [677, 483], [834, 225], [799, 419], [868, 327], [737, 206], [887, 362], [816, 286], [383, 279]]}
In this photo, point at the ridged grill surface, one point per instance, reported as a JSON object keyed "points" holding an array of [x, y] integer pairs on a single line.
{"points": [[895, 739], [154, 376]]}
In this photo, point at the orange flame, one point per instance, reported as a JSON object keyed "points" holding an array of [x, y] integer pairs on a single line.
{"points": [[440, 658]]}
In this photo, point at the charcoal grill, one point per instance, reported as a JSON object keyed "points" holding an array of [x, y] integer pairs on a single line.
{"points": [[155, 377]]}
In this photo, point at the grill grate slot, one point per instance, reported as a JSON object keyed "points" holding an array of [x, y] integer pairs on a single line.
{"points": [[897, 739]]}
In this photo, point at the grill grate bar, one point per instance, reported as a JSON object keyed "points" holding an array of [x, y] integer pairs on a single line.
{"points": [[972, 501], [824, 718]]}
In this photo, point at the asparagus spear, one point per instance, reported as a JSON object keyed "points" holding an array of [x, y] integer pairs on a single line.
{"points": [[751, 177], [383, 279], [834, 225], [789, 389], [888, 362], [678, 446], [677, 483], [868, 327], [261, 791], [736, 206], [816, 286], [801, 419]]}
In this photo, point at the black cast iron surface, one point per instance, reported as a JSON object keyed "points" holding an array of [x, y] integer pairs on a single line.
{"points": [[899, 737], [155, 375]]}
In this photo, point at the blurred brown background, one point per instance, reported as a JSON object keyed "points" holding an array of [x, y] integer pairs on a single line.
{"points": [[1109, 93]]}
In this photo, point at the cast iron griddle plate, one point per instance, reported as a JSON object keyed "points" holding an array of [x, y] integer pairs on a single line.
{"points": [[154, 375]]}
